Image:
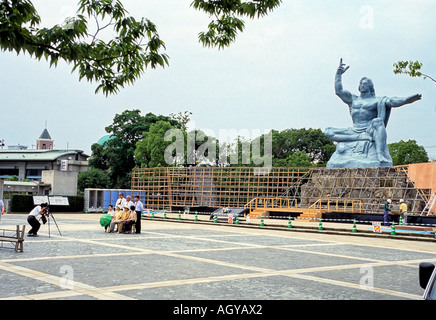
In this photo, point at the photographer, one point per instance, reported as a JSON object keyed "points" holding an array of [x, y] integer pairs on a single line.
{"points": [[31, 219]]}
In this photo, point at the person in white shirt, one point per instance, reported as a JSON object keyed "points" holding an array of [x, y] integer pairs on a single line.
{"points": [[110, 210], [129, 202], [139, 208], [121, 202], [33, 221]]}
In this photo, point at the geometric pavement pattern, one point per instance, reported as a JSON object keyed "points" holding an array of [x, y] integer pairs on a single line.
{"points": [[188, 261]]}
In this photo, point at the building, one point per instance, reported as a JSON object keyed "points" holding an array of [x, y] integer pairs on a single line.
{"points": [[44, 141], [29, 164], [54, 171]]}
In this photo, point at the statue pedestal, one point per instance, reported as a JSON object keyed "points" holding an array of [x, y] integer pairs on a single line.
{"points": [[360, 154]]}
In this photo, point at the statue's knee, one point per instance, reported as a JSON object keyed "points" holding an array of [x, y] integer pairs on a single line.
{"points": [[328, 132]]}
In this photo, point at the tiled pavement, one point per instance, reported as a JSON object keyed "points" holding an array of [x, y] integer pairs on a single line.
{"points": [[196, 261]]}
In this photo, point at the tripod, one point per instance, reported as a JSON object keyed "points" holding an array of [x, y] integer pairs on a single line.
{"points": [[48, 214]]}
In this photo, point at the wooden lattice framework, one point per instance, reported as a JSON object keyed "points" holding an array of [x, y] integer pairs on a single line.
{"points": [[215, 187], [235, 187]]}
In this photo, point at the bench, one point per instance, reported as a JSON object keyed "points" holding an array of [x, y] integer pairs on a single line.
{"points": [[13, 236]]}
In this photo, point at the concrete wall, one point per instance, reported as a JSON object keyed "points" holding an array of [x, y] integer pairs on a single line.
{"points": [[63, 183]]}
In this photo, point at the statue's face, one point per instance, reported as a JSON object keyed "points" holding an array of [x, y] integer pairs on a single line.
{"points": [[366, 85]]}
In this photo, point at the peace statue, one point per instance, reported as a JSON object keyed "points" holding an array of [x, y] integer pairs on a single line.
{"points": [[364, 144]]}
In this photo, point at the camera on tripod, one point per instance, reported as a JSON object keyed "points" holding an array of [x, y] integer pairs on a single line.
{"points": [[44, 201], [46, 214]]}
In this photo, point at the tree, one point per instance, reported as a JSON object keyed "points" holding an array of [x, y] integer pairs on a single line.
{"points": [[201, 149], [182, 118], [299, 159], [134, 45], [150, 151], [412, 68], [406, 152], [117, 154], [93, 178], [224, 28], [101, 156], [313, 142]]}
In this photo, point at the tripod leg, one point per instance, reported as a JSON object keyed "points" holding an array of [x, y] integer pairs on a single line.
{"points": [[55, 224], [48, 225]]}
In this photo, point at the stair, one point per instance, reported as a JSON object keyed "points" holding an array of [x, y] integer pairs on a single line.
{"points": [[257, 213], [309, 215]]}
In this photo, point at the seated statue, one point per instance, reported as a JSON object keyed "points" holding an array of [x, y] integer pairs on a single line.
{"points": [[364, 144]]}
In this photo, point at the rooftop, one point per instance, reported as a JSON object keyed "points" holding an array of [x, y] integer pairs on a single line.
{"points": [[35, 154], [45, 135]]}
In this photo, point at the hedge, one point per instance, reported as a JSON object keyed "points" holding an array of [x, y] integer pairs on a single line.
{"points": [[24, 203]]}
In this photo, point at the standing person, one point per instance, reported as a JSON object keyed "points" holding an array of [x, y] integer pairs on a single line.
{"points": [[386, 212], [403, 210], [121, 202], [31, 219], [2, 207], [129, 202], [139, 208]]}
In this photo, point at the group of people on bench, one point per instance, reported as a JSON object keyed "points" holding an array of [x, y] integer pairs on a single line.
{"points": [[123, 220], [126, 215]]}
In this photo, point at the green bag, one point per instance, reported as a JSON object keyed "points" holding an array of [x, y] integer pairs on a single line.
{"points": [[105, 220]]}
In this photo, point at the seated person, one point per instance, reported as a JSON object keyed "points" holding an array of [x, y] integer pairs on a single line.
{"points": [[119, 219], [130, 220], [112, 213]]}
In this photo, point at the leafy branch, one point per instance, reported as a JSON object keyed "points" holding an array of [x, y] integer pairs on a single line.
{"points": [[113, 63], [412, 68], [224, 28], [134, 45]]}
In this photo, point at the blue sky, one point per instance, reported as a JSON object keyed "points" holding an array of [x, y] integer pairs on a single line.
{"points": [[277, 75]]}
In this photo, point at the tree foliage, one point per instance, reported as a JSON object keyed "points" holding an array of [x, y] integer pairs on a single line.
{"points": [[117, 154], [150, 151], [93, 178], [227, 18], [412, 68], [407, 152], [312, 142], [133, 47], [296, 159]]}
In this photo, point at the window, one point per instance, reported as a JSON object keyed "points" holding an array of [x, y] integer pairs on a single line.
{"points": [[8, 173], [34, 174]]}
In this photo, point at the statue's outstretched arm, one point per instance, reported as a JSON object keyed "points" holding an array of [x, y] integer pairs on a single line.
{"points": [[395, 102], [345, 95]]}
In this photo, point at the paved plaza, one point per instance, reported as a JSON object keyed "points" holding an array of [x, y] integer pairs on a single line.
{"points": [[173, 260]]}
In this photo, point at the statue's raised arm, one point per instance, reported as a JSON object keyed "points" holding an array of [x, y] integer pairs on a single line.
{"points": [[345, 95]]}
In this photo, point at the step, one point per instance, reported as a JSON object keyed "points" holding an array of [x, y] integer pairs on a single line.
{"points": [[309, 216], [258, 213]]}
